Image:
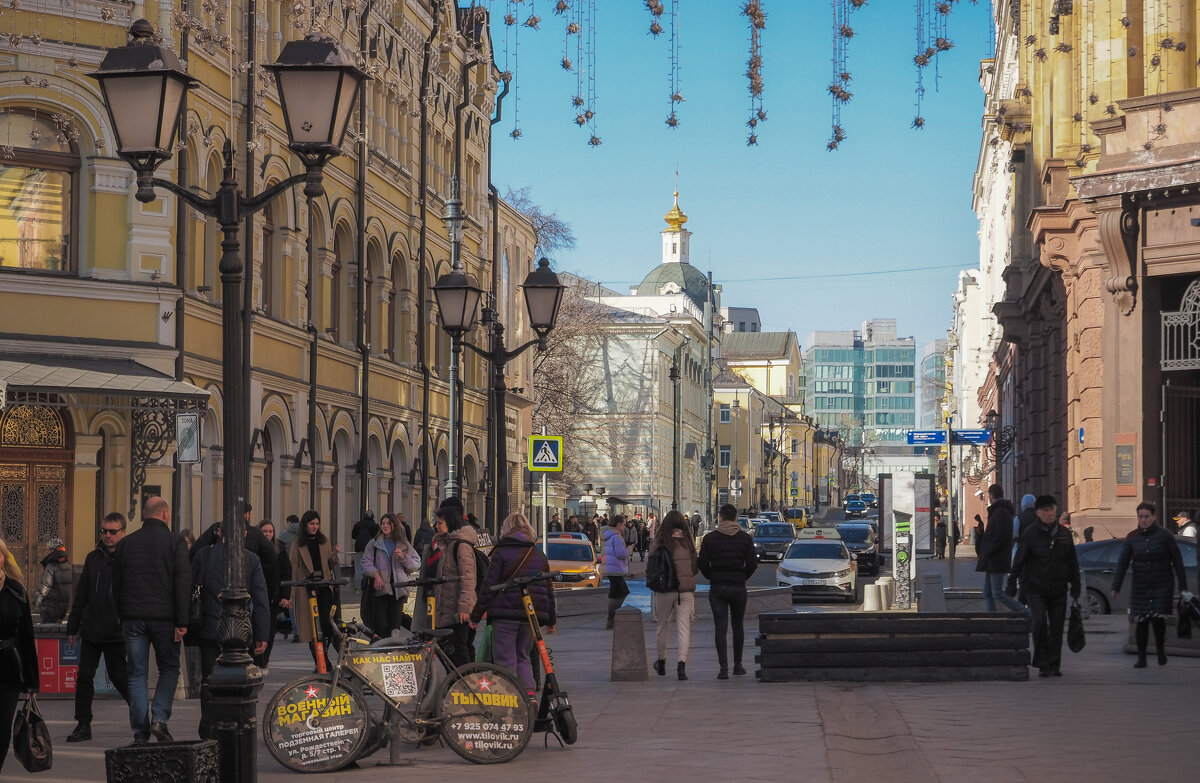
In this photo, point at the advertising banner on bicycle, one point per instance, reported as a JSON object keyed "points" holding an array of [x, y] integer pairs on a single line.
{"points": [[315, 727], [396, 672]]}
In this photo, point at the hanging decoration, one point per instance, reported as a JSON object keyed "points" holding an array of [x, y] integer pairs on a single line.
{"points": [[753, 11], [656, 9], [673, 77], [840, 82], [933, 38]]}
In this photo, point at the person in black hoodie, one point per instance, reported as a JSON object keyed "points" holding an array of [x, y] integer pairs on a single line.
{"points": [[1157, 566], [1046, 564], [995, 551], [18, 652], [152, 580], [95, 625], [727, 559]]}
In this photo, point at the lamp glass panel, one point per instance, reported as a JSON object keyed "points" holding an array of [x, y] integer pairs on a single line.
{"points": [[172, 96], [471, 306], [135, 103], [345, 107], [451, 306], [308, 97], [543, 305]]}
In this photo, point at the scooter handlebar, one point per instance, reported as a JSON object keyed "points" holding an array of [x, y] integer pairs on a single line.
{"points": [[521, 581]]}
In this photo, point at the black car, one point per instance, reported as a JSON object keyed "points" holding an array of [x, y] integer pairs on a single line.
{"points": [[1098, 564], [771, 539], [869, 499], [860, 539]]}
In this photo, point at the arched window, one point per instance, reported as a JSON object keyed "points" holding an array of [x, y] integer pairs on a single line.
{"points": [[269, 269], [39, 196], [268, 485]]}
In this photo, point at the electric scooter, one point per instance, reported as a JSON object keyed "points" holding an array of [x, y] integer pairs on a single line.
{"points": [[554, 715]]}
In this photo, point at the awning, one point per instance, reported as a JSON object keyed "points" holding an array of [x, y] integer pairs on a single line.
{"points": [[22, 377]]}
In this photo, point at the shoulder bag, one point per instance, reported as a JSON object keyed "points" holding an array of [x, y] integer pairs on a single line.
{"points": [[31, 738]]}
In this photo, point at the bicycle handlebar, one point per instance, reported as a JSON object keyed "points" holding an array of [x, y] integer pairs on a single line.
{"points": [[521, 581]]}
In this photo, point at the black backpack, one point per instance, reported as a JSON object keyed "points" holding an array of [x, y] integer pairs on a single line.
{"points": [[482, 563], [660, 571]]}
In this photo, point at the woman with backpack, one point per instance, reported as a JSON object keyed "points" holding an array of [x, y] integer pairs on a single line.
{"points": [[678, 601], [452, 554], [385, 563], [516, 554], [616, 566]]}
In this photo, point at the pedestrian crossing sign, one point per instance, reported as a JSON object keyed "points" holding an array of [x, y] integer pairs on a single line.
{"points": [[545, 453]]}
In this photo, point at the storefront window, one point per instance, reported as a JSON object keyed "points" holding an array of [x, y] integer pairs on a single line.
{"points": [[37, 196]]}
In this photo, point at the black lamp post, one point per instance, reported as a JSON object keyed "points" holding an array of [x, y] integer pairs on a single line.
{"points": [[457, 295], [543, 296], [143, 85]]}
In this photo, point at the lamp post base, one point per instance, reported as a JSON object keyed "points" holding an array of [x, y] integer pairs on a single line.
{"points": [[232, 694]]}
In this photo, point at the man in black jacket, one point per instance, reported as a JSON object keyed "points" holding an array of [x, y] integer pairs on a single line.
{"points": [[727, 559], [152, 581], [1046, 564], [95, 626], [995, 551]]}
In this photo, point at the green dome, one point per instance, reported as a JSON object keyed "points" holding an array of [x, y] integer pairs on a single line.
{"points": [[686, 278]]}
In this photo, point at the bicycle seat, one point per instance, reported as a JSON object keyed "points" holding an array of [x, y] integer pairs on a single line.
{"points": [[438, 633]]}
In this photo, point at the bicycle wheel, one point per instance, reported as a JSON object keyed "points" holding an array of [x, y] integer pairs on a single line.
{"points": [[486, 716], [308, 729]]}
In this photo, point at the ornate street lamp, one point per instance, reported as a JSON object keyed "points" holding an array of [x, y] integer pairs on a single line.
{"points": [[143, 85], [457, 295], [543, 295]]}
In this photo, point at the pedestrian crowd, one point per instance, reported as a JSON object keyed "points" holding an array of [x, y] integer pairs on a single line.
{"points": [[1030, 565]]}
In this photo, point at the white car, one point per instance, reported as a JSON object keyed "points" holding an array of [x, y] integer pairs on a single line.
{"points": [[822, 567]]}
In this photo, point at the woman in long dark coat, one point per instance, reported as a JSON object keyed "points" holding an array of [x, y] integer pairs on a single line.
{"points": [[1157, 565]]}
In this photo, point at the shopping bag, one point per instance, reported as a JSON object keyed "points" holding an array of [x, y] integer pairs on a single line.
{"points": [[483, 645], [31, 738], [1075, 636]]}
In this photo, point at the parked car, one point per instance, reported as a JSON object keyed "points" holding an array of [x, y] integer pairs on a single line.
{"points": [[772, 516], [869, 498], [818, 567], [1098, 564], [860, 539], [855, 509], [574, 560], [771, 539]]}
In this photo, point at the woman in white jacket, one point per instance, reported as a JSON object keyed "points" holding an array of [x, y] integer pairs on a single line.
{"points": [[387, 561]]}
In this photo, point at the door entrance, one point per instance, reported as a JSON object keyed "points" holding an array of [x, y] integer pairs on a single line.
{"points": [[1181, 463], [34, 461]]}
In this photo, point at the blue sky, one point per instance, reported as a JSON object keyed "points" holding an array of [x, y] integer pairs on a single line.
{"points": [[890, 198]]}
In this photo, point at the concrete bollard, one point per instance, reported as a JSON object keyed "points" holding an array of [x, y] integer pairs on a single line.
{"points": [[887, 588], [629, 647], [871, 598], [933, 596]]}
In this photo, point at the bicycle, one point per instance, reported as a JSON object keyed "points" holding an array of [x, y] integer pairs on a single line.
{"points": [[323, 722], [554, 715]]}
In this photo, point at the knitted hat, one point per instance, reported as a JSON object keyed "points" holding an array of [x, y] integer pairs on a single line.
{"points": [[55, 543], [1027, 501]]}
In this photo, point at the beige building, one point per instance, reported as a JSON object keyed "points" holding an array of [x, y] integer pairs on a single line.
{"points": [[111, 309], [771, 363]]}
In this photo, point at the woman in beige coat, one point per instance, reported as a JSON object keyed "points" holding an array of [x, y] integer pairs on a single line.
{"points": [[313, 555], [452, 553], [675, 533]]}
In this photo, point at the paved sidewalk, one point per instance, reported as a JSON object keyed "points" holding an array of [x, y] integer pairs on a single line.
{"points": [[1102, 721]]}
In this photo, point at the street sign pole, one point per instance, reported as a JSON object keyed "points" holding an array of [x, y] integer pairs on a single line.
{"points": [[545, 504]]}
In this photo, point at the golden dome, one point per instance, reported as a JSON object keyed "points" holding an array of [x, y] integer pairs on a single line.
{"points": [[675, 218]]}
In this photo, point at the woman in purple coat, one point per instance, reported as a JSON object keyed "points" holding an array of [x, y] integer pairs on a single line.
{"points": [[516, 554]]}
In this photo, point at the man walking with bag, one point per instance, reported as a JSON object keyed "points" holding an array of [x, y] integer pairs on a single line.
{"points": [[1046, 564], [95, 626], [152, 580]]}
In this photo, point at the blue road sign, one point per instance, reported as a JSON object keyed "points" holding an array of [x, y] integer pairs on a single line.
{"points": [[926, 437], [978, 437], [545, 453]]}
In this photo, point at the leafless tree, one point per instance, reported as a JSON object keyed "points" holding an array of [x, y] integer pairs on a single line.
{"points": [[551, 232], [573, 389]]}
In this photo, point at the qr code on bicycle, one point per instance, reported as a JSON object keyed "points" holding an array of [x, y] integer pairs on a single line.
{"points": [[399, 679]]}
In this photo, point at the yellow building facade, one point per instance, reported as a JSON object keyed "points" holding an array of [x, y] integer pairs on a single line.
{"points": [[110, 309]]}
